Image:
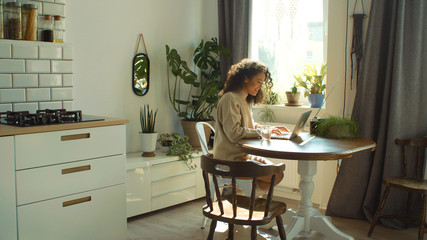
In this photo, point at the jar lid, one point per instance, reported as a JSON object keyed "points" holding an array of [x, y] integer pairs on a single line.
{"points": [[29, 6], [47, 17], [57, 17], [13, 4]]}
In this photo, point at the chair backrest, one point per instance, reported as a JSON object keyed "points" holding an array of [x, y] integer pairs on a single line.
{"points": [[420, 144], [237, 169], [200, 129]]}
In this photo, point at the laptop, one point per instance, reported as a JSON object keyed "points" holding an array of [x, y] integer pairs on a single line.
{"points": [[297, 129]]}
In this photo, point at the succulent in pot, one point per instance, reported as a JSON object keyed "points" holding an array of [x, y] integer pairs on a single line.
{"points": [[293, 96], [148, 135]]}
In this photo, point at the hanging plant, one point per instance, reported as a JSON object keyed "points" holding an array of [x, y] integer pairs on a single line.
{"points": [[181, 147]]}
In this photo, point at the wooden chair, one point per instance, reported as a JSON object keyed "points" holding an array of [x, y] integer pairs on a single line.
{"points": [[243, 184], [416, 185], [237, 209]]}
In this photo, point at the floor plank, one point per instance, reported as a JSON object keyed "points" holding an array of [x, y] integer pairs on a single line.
{"points": [[183, 222]]}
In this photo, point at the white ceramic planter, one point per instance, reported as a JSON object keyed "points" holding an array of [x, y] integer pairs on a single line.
{"points": [[148, 143]]}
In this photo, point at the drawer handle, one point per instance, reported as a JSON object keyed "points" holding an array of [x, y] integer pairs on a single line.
{"points": [[75, 136], [76, 201], [75, 169]]}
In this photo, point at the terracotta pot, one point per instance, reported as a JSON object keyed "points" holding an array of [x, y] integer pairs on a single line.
{"points": [[189, 128], [148, 143], [293, 98]]}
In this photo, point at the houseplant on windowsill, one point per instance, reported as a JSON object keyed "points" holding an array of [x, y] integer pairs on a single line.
{"points": [[293, 96], [312, 82], [148, 135], [202, 88]]}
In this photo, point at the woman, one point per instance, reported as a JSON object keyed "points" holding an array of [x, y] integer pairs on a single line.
{"points": [[234, 114]]}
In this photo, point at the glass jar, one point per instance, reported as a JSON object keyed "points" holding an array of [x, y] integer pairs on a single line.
{"points": [[1, 19], [12, 20], [47, 29], [58, 34], [29, 22]]}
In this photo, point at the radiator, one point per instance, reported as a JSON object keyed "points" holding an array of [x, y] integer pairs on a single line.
{"points": [[291, 178]]}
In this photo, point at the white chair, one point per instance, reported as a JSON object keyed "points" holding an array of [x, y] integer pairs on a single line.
{"points": [[245, 185]]}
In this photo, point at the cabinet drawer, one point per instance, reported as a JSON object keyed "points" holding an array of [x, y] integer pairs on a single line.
{"points": [[138, 191], [40, 149], [99, 214], [43, 183], [164, 170], [171, 184], [173, 198]]}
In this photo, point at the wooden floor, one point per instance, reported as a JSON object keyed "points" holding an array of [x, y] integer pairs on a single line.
{"points": [[183, 222]]}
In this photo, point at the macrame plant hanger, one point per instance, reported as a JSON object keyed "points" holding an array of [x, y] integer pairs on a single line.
{"points": [[357, 44]]}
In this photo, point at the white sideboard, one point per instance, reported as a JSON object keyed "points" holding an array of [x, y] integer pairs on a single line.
{"points": [[70, 184], [154, 183]]}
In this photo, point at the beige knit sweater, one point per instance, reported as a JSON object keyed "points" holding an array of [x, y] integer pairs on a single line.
{"points": [[234, 122]]}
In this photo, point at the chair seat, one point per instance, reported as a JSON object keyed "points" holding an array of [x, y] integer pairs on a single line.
{"points": [[410, 184], [242, 218]]}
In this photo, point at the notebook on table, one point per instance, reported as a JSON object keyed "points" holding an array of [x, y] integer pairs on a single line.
{"points": [[297, 129]]}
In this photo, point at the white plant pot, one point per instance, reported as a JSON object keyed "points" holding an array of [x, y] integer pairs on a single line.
{"points": [[148, 143]]}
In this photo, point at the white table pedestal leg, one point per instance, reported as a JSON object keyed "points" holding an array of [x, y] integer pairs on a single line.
{"points": [[307, 218]]}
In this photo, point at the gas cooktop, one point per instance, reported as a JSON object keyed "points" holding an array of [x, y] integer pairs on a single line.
{"points": [[44, 117]]}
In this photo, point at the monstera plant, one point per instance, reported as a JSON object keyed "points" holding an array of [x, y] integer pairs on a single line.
{"points": [[201, 87]]}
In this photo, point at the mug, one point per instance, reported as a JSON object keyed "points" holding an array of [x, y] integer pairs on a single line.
{"points": [[265, 132]]}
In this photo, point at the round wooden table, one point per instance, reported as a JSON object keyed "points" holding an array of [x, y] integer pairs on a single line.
{"points": [[308, 150]]}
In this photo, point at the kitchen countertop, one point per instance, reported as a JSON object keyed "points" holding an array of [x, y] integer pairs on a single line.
{"points": [[8, 130]]}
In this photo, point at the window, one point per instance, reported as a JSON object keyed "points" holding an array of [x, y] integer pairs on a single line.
{"points": [[286, 35]]}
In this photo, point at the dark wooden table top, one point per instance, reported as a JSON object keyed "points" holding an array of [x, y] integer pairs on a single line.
{"points": [[306, 147]]}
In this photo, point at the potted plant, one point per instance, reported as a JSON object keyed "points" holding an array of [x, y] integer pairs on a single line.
{"points": [[182, 148], [336, 127], [202, 88], [313, 84], [148, 135], [165, 140], [293, 96]]}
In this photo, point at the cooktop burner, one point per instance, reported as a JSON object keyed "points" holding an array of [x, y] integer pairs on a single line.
{"points": [[44, 117]]}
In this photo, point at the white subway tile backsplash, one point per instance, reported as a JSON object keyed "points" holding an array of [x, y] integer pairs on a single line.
{"points": [[33, 74], [50, 80], [25, 51], [5, 80], [50, 105], [31, 107], [62, 66], [67, 53], [12, 95], [5, 50], [50, 52], [53, 9], [38, 94], [62, 94], [68, 105], [12, 66], [25, 80], [37, 66], [5, 107], [67, 80]]}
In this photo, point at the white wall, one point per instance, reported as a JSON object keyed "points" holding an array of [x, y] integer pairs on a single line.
{"points": [[104, 37]]}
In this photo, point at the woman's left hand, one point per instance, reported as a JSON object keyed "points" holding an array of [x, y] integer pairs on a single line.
{"points": [[279, 130]]}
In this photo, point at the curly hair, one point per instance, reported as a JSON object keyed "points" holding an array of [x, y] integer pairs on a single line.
{"points": [[237, 74]]}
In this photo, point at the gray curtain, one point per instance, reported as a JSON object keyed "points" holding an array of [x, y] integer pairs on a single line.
{"points": [[233, 25], [391, 102]]}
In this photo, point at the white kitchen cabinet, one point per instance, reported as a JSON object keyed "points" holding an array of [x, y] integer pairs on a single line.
{"points": [[159, 182], [41, 149], [70, 184], [8, 228], [97, 214]]}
